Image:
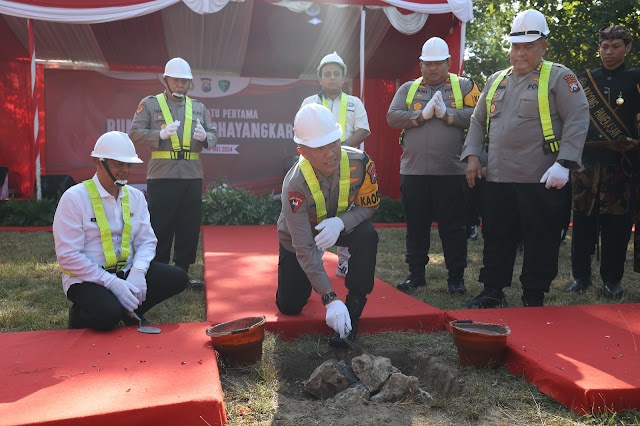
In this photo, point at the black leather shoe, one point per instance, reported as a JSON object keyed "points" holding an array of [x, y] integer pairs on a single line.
{"points": [[412, 282], [195, 284], [457, 286], [531, 298], [612, 290], [578, 285], [488, 298]]}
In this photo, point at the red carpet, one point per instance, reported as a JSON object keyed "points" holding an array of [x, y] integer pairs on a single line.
{"points": [[81, 377], [241, 272], [585, 357]]}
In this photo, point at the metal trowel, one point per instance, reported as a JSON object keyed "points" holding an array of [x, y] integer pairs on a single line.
{"points": [[145, 329]]}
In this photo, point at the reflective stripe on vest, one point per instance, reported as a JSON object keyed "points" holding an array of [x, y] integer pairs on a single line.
{"points": [[105, 230], [188, 120], [173, 155], [316, 192], [342, 119], [455, 86], [543, 104]]}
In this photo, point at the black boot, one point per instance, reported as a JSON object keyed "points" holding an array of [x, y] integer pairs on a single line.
{"points": [[578, 285], [415, 279], [488, 298], [455, 282], [612, 290], [532, 298], [193, 283], [355, 305]]}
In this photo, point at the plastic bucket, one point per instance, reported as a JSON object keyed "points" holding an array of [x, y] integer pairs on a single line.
{"points": [[238, 342], [480, 344]]}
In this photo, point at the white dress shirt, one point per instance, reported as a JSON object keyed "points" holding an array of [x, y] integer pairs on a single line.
{"points": [[77, 236]]}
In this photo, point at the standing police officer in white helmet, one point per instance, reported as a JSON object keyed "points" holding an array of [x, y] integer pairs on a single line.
{"points": [[533, 117], [175, 128], [328, 198], [105, 244], [433, 111], [350, 113]]}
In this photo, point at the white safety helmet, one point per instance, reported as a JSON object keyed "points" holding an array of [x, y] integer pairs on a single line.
{"points": [[178, 68], [435, 49], [116, 146], [315, 126], [332, 58], [528, 26]]}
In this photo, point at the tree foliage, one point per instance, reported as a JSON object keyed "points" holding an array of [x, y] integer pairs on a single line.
{"points": [[573, 38]]}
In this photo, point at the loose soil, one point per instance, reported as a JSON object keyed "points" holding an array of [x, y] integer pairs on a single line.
{"points": [[297, 407]]}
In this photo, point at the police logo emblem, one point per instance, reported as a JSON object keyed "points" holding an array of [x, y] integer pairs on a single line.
{"points": [[140, 109], [295, 200], [224, 85], [572, 82], [417, 106]]}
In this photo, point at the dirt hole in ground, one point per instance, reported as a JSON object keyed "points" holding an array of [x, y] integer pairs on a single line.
{"points": [[439, 380]]}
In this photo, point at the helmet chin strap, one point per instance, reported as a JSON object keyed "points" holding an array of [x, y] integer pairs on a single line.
{"points": [[175, 95], [121, 182]]}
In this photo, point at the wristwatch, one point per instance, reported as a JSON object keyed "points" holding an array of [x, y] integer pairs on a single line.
{"points": [[565, 163], [329, 297]]}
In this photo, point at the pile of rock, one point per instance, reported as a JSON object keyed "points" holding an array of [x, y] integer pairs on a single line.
{"points": [[369, 378]]}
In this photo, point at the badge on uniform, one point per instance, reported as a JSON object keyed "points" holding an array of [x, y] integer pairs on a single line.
{"points": [[140, 109], [572, 82], [373, 174], [417, 106], [295, 200]]}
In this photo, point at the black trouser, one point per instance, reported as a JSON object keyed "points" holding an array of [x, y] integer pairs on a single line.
{"points": [[425, 198], [96, 307], [521, 210], [613, 232], [175, 206], [294, 288], [473, 205]]}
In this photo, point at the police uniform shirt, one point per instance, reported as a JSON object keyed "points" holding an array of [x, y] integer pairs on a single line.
{"points": [[434, 147], [515, 134], [145, 130], [77, 236], [356, 114], [298, 215]]}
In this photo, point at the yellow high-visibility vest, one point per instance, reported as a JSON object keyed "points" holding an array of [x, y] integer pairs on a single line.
{"points": [[342, 118], [112, 263], [543, 104], [316, 193], [185, 149]]}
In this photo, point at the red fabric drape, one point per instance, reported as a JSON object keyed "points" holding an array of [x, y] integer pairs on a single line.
{"points": [[17, 132], [382, 145]]}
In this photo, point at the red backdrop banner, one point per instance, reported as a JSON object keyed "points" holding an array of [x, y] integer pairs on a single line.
{"points": [[254, 118]]}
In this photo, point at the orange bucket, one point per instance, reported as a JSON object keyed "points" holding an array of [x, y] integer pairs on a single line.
{"points": [[480, 344], [238, 342]]}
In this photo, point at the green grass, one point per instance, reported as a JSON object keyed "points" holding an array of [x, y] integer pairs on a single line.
{"points": [[31, 298]]}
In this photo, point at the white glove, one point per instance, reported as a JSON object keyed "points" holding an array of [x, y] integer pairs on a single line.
{"points": [[330, 229], [199, 134], [338, 318], [438, 105], [137, 278], [169, 130], [556, 176], [427, 112], [125, 292]]}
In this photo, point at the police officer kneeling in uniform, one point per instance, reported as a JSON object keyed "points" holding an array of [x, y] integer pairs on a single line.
{"points": [[105, 244], [328, 198]]}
